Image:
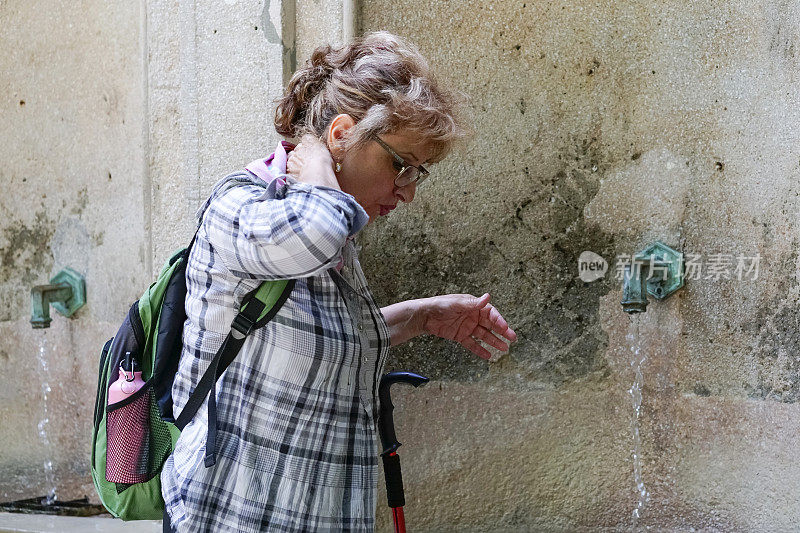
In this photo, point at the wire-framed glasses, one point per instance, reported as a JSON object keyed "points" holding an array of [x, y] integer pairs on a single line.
{"points": [[408, 173]]}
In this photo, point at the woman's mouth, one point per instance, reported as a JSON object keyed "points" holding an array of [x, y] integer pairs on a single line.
{"points": [[386, 209]]}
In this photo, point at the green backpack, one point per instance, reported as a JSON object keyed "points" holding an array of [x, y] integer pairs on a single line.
{"points": [[132, 438]]}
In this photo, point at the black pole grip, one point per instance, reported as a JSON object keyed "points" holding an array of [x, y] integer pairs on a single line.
{"points": [[394, 480], [386, 418]]}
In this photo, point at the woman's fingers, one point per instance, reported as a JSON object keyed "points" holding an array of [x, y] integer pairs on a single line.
{"points": [[491, 319], [483, 300], [294, 164], [472, 345], [311, 162], [479, 319], [490, 338]]}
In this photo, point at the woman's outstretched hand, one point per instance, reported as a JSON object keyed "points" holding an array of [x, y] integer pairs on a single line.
{"points": [[467, 319]]}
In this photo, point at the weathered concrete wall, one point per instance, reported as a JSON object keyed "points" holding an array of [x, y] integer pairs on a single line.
{"points": [[604, 126], [117, 121], [213, 70], [72, 179], [601, 127]]}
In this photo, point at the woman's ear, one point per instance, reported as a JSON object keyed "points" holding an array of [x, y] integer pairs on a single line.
{"points": [[336, 134]]}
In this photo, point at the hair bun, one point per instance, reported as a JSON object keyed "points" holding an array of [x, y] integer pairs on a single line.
{"points": [[304, 85], [380, 80]]}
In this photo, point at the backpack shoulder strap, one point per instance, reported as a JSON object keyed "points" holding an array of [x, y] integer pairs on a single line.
{"points": [[263, 303], [258, 307]]}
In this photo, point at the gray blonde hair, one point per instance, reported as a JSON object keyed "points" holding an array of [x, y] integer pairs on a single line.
{"points": [[384, 83]]}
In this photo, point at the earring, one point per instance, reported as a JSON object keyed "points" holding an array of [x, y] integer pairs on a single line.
{"points": [[338, 167]]}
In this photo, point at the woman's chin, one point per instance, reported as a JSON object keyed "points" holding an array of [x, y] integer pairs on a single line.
{"points": [[374, 214]]}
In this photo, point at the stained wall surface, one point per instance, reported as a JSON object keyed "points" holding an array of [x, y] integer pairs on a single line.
{"points": [[599, 127], [73, 180], [117, 120], [604, 126]]}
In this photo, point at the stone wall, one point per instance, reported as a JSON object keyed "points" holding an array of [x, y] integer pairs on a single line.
{"points": [[74, 177], [118, 120], [604, 126], [599, 127]]}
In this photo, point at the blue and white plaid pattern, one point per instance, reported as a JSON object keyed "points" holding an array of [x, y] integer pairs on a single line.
{"points": [[296, 410]]}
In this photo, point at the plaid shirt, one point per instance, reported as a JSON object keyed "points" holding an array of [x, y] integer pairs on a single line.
{"points": [[296, 410]]}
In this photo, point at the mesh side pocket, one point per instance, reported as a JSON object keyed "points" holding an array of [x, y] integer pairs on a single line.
{"points": [[138, 440]]}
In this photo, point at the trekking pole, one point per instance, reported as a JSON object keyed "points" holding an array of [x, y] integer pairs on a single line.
{"points": [[391, 461]]}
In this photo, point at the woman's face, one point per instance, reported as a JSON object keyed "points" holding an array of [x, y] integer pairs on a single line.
{"points": [[368, 174]]}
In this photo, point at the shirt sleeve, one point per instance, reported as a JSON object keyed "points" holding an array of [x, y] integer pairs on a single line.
{"points": [[295, 234]]}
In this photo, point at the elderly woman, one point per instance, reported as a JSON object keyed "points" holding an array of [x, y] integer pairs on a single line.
{"points": [[296, 410]]}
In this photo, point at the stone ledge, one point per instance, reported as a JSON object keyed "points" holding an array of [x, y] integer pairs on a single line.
{"points": [[36, 523]]}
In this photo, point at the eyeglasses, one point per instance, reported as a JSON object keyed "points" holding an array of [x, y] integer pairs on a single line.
{"points": [[408, 173]]}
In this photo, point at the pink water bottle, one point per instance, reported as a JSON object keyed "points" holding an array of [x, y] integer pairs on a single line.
{"points": [[127, 427], [130, 380]]}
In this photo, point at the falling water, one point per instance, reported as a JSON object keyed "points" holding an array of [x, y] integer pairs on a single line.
{"points": [[637, 360], [49, 475]]}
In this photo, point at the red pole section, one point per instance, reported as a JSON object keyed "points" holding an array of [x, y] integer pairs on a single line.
{"points": [[399, 520]]}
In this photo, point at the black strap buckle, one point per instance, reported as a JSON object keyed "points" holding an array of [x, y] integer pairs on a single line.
{"points": [[242, 324], [210, 459]]}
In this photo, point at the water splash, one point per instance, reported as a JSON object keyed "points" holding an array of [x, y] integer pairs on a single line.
{"points": [[49, 474], [637, 360]]}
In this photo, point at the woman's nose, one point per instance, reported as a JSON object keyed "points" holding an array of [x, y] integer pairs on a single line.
{"points": [[406, 192]]}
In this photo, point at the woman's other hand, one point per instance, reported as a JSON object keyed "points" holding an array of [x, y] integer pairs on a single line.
{"points": [[311, 162], [467, 319]]}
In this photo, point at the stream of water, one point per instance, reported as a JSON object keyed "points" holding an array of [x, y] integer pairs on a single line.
{"points": [[637, 359], [49, 475]]}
